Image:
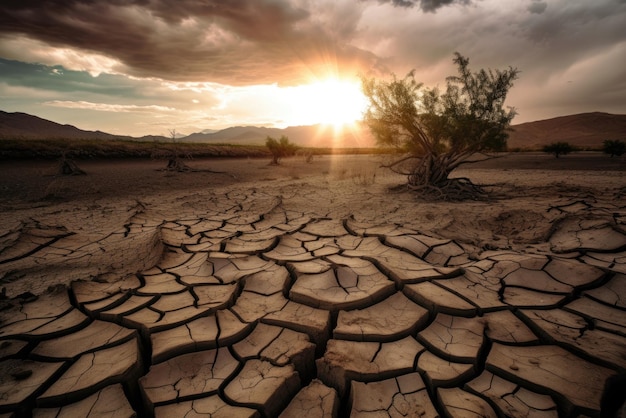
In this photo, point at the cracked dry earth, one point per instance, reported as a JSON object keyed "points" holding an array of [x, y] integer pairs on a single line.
{"points": [[249, 303]]}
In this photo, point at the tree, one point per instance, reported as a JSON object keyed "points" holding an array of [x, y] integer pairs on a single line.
{"points": [[614, 147], [280, 148], [174, 159], [436, 132], [558, 148]]}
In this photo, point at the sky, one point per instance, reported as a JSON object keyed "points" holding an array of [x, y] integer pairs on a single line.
{"points": [[147, 67]]}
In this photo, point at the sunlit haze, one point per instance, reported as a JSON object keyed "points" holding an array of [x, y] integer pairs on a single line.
{"points": [[332, 102]]}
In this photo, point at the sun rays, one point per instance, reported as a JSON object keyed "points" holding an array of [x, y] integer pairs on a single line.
{"points": [[332, 101]]}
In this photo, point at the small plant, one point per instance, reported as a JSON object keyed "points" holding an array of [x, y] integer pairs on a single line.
{"points": [[363, 177], [280, 148], [68, 167], [175, 158], [614, 147], [558, 148], [173, 155], [306, 155]]}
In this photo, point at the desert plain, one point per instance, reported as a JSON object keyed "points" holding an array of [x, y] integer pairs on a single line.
{"points": [[319, 289]]}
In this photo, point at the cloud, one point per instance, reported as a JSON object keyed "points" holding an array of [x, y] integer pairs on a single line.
{"points": [[106, 107], [24, 49], [235, 42], [425, 5], [220, 53], [59, 79], [537, 7]]}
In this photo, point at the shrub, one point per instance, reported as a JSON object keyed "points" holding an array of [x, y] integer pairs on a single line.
{"points": [[435, 132], [614, 147], [558, 148], [280, 148]]}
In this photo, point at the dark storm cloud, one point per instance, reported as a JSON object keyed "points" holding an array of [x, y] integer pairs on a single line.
{"points": [[234, 42], [537, 7], [425, 5]]}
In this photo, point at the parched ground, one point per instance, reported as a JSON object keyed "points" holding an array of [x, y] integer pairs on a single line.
{"points": [[242, 289]]}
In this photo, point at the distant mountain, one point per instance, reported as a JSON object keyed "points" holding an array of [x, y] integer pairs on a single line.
{"points": [[307, 136], [247, 135], [23, 125], [147, 138], [585, 130]]}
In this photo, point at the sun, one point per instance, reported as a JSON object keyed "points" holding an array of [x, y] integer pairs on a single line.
{"points": [[332, 101]]}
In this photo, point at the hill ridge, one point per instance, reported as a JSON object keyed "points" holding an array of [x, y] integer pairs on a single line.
{"points": [[584, 130]]}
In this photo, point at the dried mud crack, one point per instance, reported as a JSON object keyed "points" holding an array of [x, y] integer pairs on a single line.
{"points": [[248, 308]]}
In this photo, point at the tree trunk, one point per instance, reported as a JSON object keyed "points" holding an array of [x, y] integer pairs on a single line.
{"points": [[429, 172], [431, 178]]}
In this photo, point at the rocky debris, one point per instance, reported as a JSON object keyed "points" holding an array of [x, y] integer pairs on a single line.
{"points": [[247, 309]]}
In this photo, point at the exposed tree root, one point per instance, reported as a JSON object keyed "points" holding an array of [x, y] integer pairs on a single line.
{"points": [[179, 166], [68, 167], [456, 189]]}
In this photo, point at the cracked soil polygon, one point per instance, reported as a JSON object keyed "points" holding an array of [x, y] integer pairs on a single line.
{"points": [[239, 305]]}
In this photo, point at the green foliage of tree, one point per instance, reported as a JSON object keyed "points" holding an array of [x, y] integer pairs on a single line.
{"points": [[558, 148], [614, 147], [434, 132], [280, 148]]}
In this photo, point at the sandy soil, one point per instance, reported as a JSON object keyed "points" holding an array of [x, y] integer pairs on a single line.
{"points": [[330, 239]]}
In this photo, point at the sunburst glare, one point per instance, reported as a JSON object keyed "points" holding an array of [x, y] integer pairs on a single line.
{"points": [[331, 101]]}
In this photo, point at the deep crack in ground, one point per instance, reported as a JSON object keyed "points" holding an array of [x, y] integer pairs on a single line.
{"points": [[252, 309]]}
